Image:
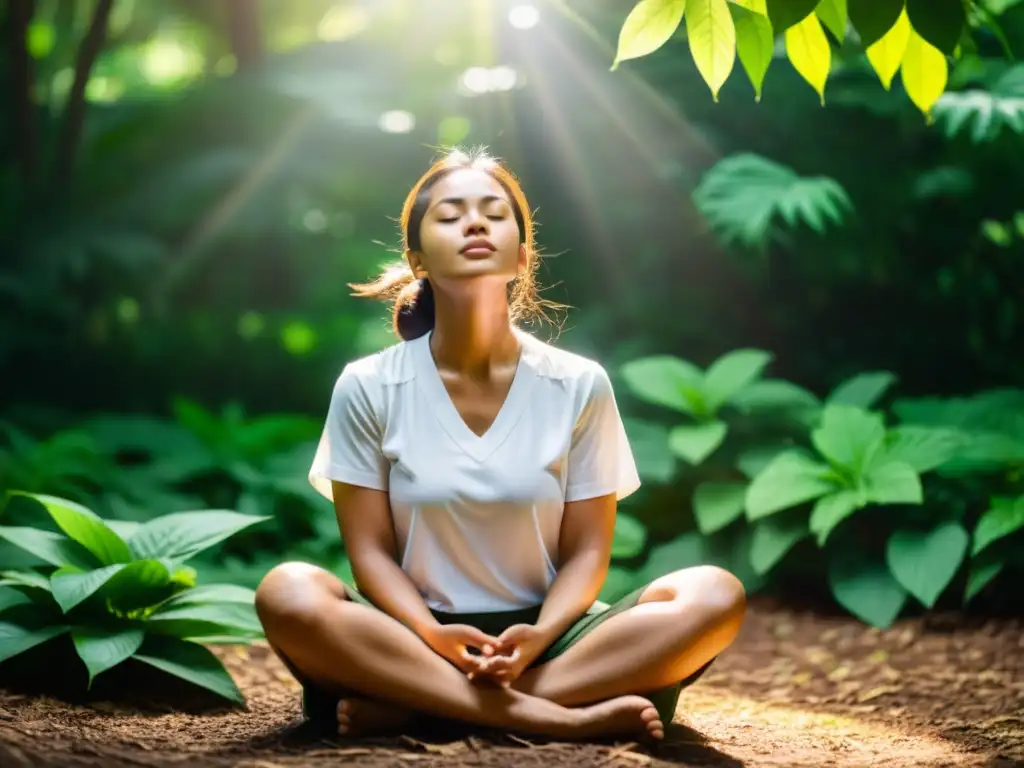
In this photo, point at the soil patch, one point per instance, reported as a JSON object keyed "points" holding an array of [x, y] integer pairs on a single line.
{"points": [[797, 689]]}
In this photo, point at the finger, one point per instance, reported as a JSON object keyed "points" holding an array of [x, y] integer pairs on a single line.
{"points": [[470, 664], [477, 638]]}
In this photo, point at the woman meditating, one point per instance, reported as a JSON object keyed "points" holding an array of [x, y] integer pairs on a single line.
{"points": [[475, 472]]}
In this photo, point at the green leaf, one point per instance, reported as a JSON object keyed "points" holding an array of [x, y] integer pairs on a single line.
{"points": [[29, 579], [774, 536], [648, 26], [180, 535], [139, 584], [203, 619], [649, 442], [924, 563], [731, 373], [866, 589], [213, 593], [774, 394], [85, 527], [1005, 516], [617, 584], [785, 13], [123, 528], [754, 43], [101, 649], [12, 597], [863, 390], [712, 39], [830, 511], [681, 552], [810, 53], [873, 18], [696, 442], [630, 537], [50, 547], [924, 72], [715, 505], [23, 627], [664, 380], [893, 483], [790, 479], [979, 576], [834, 15], [72, 587], [753, 460], [923, 448], [190, 662], [849, 437], [940, 22]]}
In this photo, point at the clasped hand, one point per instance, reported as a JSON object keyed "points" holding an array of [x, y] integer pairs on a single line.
{"points": [[501, 659]]}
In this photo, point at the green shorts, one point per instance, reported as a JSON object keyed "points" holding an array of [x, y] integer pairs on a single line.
{"points": [[319, 706]]}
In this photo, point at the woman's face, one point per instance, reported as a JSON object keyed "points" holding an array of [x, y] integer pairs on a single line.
{"points": [[469, 231]]}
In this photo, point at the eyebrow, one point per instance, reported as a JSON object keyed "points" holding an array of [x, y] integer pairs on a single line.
{"points": [[462, 201]]}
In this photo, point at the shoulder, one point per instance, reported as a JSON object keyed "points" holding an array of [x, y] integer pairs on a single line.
{"points": [[578, 373], [376, 372]]}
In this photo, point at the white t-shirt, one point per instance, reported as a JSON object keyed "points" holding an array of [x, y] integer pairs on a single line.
{"points": [[476, 518]]}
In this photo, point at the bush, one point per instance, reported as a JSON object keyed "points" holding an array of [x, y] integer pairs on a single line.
{"points": [[122, 591]]}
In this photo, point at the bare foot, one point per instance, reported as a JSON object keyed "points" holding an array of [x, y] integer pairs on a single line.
{"points": [[621, 716], [357, 716]]}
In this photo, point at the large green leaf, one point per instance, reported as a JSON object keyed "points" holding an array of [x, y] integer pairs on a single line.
{"points": [[923, 448], [29, 579], [695, 442], [71, 587], [617, 584], [181, 535], [1003, 517], [980, 576], [101, 649], [849, 437], [835, 16], [213, 593], [731, 373], [862, 390], [683, 551], [893, 483], [190, 662], [139, 584], [924, 563], [649, 442], [790, 479], [775, 395], [196, 620], [754, 44], [940, 22], [85, 527], [754, 459], [873, 18], [810, 53], [716, 505], [53, 548], [630, 537], [886, 53], [12, 597], [785, 13], [774, 536], [924, 72], [664, 380], [866, 589], [830, 511], [712, 39], [648, 26], [23, 627]]}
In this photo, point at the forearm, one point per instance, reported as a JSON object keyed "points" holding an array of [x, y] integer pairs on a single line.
{"points": [[382, 580], [574, 590]]}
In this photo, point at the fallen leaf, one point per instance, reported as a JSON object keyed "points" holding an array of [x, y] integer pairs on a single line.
{"points": [[874, 693]]}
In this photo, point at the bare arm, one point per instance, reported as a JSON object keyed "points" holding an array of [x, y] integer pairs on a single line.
{"points": [[364, 516], [585, 545]]}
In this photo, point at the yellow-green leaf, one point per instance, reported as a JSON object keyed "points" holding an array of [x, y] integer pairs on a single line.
{"points": [[712, 37], [649, 26], [756, 6], [834, 15], [810, 53], [755, 44], [887, 54], [924, 72]]}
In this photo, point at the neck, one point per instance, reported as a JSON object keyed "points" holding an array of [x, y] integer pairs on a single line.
{"points": [[473, 334]]}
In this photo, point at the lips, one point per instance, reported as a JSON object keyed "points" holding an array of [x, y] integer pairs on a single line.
{"points": [[478, 245]]}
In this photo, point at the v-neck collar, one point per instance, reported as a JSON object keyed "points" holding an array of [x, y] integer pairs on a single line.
{"points": [[479, 447]]}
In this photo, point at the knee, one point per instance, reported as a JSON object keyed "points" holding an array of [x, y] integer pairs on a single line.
{"points": [[290, 594], [714, 592]]}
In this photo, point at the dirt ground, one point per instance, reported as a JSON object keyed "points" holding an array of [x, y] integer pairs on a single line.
{"points": [[797, 689]]}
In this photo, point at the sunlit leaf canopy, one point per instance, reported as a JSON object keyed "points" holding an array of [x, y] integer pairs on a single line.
{"points": [[915, 38]]}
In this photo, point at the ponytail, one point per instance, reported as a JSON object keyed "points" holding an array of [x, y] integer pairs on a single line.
{"points": [[414, 310]]}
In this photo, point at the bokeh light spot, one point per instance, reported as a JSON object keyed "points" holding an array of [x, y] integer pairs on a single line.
{"points": [[523, 16], [298, 337]]}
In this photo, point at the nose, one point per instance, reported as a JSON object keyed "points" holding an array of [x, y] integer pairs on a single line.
{"points": [[476, 222]]}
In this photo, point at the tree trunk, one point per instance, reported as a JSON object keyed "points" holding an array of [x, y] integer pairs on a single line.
{"points": [[25, 136]]}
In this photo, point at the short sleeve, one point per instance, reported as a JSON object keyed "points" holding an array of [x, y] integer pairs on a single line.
{"points": [[600, 459], [350, 445]]}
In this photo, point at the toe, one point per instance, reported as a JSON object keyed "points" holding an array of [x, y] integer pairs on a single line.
{"points": [[344, 707], [649, 715]]}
